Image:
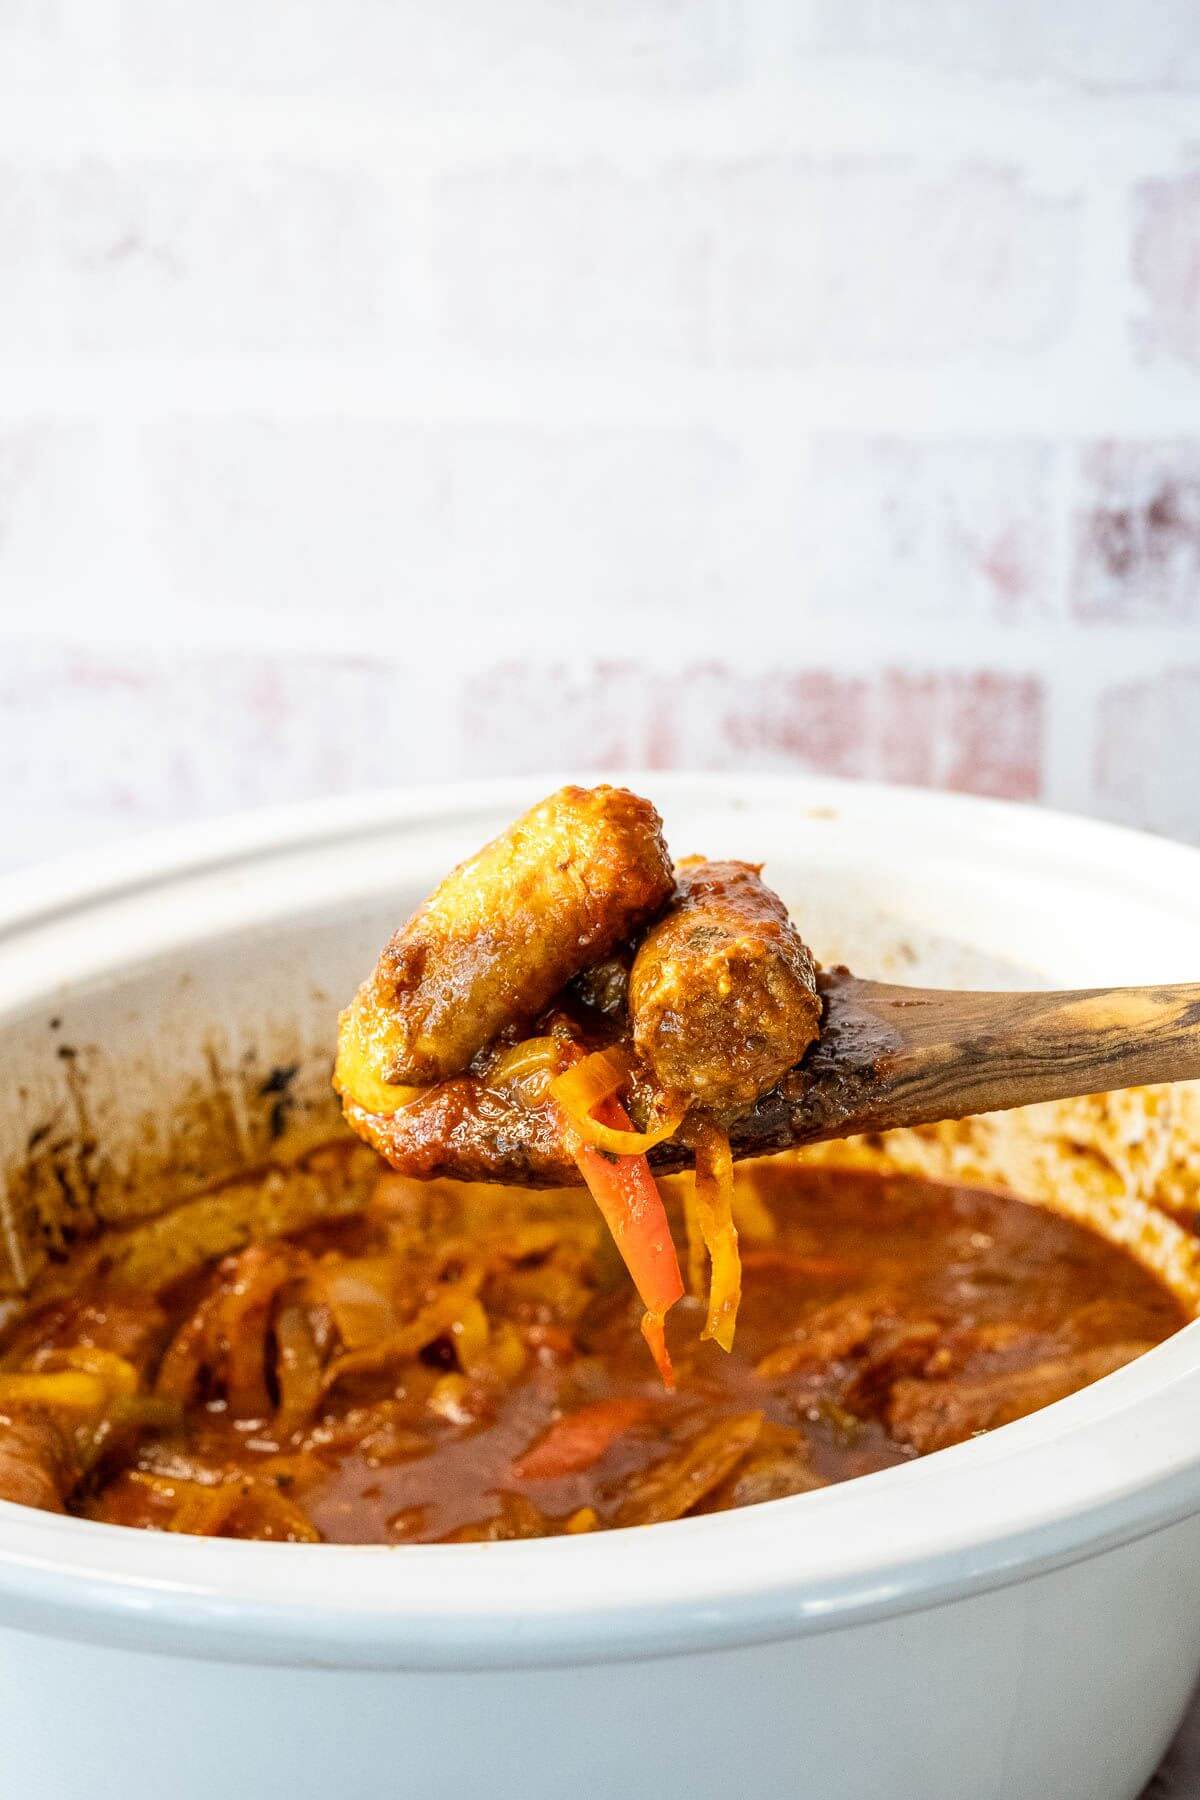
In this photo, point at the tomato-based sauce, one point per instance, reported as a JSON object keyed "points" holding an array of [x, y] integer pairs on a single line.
{"points": [[460, 1363]]}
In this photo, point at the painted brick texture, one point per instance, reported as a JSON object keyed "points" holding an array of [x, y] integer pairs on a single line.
{"points": [[962, 529], [1137, 534], [503, 522], [457, 47], [1166, 267], [398, 392], [1089, 43], [976, 732], [200, 256], [1146, 751], [768, 262]]}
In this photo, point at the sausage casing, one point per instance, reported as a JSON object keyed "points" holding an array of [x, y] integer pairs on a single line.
{"points": [[505, 931], [722, 994]]}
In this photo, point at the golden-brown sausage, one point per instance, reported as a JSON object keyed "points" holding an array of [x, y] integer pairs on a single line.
{"points": [[37, 1465], [503, 933], [722, 996]]}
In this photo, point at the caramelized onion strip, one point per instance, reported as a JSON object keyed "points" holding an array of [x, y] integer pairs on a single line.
{"points": [[532, 1056], [714, 1211], [596, 1078], [297, 1370]]}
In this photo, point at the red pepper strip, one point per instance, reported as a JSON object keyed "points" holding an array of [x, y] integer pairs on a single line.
{"points": [[579, 1439], [654, 1330], [625, 1191]]}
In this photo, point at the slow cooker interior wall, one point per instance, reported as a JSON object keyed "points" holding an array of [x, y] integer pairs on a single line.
{"points": [[135, 1093]]}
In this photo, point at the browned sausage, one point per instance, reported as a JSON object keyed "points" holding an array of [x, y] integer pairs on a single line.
{"points": [[503, 933], [722, 995], [37, 1464]]}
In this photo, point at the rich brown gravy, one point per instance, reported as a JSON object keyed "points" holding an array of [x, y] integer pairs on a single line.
{"points": [[881, 1317]]}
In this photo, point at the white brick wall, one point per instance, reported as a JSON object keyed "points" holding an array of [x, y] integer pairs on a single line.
{"points": [[885, 259], [150, 254], [727, 383], [455, 48], [1166, 264], [384, 521], [1104, 44], [959, 530]]}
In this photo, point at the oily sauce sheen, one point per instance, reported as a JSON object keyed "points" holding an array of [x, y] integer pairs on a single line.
{"points": [[882, 1317]]}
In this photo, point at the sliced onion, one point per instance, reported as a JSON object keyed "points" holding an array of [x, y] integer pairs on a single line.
{"points": [[592, 1079], [203, 1511], [448, 1399], [266, 1513], [179, 1370], [470, 1333], [358, 1292], [435, 1319], [205, 1508], [532, 1056], [75, 1389], [297, 1370], [596, 1078], [697, 1249], [714, 1210], [245, 1303], [629, 1143], [153, 1411], [506, 1353], [116, 1372]]}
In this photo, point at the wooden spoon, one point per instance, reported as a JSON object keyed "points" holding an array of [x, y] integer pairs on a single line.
{"points": [[891, 1056], [886, 1056]]}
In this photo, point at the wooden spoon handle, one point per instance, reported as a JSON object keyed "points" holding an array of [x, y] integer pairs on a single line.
{"points": [[906, 1056]]}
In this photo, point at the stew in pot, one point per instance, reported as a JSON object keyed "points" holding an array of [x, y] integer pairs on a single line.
{"points": [[459, 1363]]}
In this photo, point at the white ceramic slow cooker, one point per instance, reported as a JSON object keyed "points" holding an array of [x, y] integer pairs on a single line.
{"points": [[1018, 1616]]}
